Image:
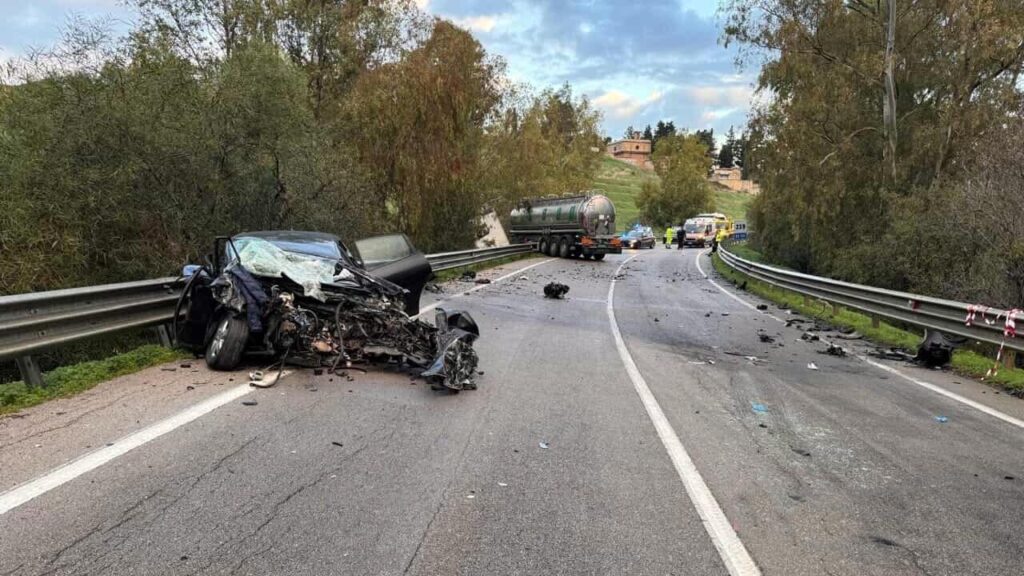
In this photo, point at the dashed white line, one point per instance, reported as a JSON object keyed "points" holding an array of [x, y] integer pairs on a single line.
{"points": [[734, 554], [927, 385], [34, 488]]}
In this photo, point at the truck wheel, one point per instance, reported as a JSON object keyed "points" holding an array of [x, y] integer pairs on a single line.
{"points": [[598, 257], [563, 247], [542, 246], [224, 352], [553, 247]]}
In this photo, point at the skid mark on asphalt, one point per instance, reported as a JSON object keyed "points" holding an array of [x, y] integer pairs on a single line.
{"points": [[926, 385], [732, 551]]}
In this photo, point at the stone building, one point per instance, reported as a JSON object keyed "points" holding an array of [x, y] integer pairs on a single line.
{"points": [[636, 151]]}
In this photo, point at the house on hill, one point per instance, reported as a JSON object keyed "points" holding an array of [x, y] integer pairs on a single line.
{"points": [[732, 178], [636, 151]]}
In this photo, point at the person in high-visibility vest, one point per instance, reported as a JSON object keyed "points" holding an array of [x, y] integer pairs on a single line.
{"points": [[720, 236], [668, 237]]}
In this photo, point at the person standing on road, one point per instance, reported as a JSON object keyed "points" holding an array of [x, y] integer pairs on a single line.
{"points": [[720, 236], [668, 237]]}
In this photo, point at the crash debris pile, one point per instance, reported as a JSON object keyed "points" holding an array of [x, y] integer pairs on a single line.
{"points": [[555, 290], [314, 312]]}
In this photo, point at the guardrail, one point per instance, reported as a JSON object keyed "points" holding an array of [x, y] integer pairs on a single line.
{"points": [[449, 260], [971, 321], [40, 320]]}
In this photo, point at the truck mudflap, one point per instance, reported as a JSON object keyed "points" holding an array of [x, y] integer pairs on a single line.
{"points": [[601, 245]]}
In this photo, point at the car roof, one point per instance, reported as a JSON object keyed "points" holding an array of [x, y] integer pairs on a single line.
{"points": [[291, 236]]}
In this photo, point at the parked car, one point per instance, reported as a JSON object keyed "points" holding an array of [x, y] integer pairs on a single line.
{"points": [[639, 237]]}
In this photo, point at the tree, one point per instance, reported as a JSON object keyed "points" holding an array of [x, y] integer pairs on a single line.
{"points": [[728, 154], [707, 137], [682, 164], [843, 79], [648, 135], [629, 133]]}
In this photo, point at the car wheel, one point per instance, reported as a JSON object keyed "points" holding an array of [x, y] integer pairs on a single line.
{"points": [[563, 247], [224, 352], [598, 256]]}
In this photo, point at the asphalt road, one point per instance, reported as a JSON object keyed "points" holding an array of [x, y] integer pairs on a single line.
{"points": [[553, 466]]}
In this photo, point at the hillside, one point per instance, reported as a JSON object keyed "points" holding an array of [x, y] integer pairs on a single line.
{"points": [[622, 182]]}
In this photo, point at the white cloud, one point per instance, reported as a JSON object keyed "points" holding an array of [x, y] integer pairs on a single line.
{"points": [[721, 95], [620, 105], [477, 23], [422, 4]]}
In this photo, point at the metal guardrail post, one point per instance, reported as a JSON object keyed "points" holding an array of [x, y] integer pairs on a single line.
{"points": [[30, 373]]}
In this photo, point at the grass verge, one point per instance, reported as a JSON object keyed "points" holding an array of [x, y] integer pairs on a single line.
{"points": [[966, 362], [70, 380]]}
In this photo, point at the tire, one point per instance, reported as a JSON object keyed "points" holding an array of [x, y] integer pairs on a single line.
{"points": [[542, 246], [598, 257], [563, 247], [553, 247], [224, 352]]}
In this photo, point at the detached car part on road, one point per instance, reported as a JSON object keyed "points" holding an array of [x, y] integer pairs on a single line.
{"points": [[305, 298]]}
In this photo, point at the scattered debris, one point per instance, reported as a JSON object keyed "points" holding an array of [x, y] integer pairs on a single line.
{"points": [[743, 286], [809, 337], [725, 313], [765, 338], [434, 288], [883, 541], [762, 425], [656, 320], [168, 369], [249, 402], [812, 366], [186, 364], [545, 445], [190, 387], [800, 451], [1008, 478], [892, 354], [759, 408], [468, 276], [852, 335], [708, 315], [834, 350], [762, 306], [941, 419], [555, 290], [338, 444], [482, 281], [502, 484]]}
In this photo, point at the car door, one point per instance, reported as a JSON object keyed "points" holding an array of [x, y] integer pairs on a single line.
{"points": [[394, 258]]}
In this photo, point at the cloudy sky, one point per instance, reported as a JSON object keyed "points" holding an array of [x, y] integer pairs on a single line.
{"points": [[637, 60]]}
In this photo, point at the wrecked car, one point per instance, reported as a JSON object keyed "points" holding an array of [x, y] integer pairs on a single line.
{"points": [[306, 298]]}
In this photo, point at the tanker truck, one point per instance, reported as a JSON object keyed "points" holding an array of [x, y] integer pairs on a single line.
{"points": [[582, 225]]}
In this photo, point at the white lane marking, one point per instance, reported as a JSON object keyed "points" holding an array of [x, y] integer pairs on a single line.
{"points": [[952, 395], [730, 294], [928, 385], [33, 488], [430, 307], [732, 551]]}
